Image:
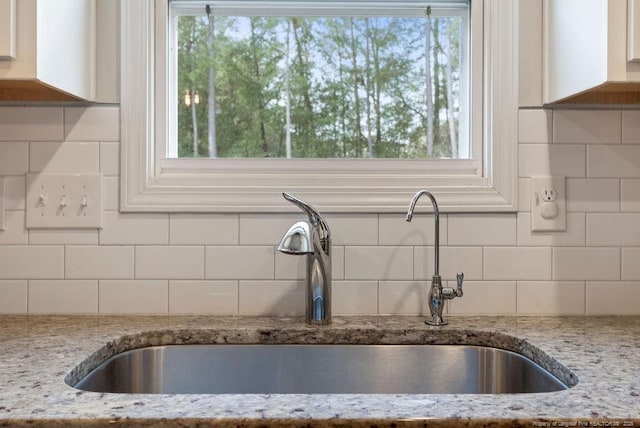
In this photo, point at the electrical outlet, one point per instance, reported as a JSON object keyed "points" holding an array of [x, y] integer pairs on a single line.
{"points": [[549, 195], [548, 204], [64, 201]]}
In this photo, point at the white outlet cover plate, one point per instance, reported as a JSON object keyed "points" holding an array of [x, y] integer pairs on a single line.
{"points": [[72, 188], [538, 222]]}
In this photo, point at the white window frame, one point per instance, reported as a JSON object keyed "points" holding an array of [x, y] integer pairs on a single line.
{"points": [[151, 183]]}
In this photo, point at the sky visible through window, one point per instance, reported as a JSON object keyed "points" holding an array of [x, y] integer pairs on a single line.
{"points": [[320, 87]]}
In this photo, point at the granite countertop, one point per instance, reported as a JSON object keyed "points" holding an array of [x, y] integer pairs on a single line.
{"points": [[601, 354]]}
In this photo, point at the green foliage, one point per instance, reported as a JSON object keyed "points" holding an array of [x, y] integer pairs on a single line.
{"points": [[348, 81]]}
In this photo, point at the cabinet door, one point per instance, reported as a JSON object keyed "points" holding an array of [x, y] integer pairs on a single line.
{"points": [[633, 29], [7, 29]]}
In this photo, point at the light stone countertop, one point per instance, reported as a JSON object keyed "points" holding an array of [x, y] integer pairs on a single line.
{"points": [[38, 352]]}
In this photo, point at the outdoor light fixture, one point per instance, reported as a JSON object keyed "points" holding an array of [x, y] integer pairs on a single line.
{"points": [[188, 97]]}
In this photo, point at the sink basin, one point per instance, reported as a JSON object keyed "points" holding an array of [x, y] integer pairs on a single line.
{"points": [[319, 369]]}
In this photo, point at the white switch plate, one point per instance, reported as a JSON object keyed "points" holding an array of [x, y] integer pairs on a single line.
{"points": [[2, 202], [548, 204], [64, 201]]}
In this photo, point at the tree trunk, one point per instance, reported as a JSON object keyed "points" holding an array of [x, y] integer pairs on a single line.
{"points": [[367, 88], [428, 89], [194, 120], [260, 103], [306, 123], [376, 81], [288, 93], [356, 97], [453, 138], [437, 84], [213, 149]]}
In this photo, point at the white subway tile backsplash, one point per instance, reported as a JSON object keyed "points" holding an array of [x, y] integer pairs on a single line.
{"points": [[246, 262], [31, 262], [337, 262], [203, 297], [378, 263], [587, 126], [110, 159], [53, 157], [110, 193], [485, 298], [164, 262], [288, 266], [353, 229], [226, 264], [14, 297], [354, 297], [452, 260], [631, 127], [404, 297], [551, 298], [63, 296], [129, 229], [271, 298], [482, 229], [395, 230], [535, 126], [630, 195], [63, 236], [260, 229], [619, 161], [100, 123], [573, 236], [133, 297], [615, 229], [517, 263], [99, 262], [31, 124], [613, 298], [586, 264], [203, 229], [593, 195], [15, 231], [630, 264], [551, 159], [524, 194], [15, 192], [14, 158]]}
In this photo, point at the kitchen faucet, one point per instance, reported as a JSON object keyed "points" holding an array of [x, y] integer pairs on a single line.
{"points": [[313, 239], [437, 294]]}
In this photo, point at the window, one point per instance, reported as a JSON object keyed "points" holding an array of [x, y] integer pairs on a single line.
{"points": [[320, 81], [336, 134]]}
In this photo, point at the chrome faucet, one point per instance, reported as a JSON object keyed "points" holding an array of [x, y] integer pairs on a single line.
{"points": [[313, 239], [437, 294]]}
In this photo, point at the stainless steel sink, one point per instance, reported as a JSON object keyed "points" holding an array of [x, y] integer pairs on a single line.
{"points": [[319, 369]]}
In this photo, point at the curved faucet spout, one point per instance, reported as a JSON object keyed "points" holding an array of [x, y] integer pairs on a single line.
{"points": [[436, 214], [438, 295], [315, 219]]}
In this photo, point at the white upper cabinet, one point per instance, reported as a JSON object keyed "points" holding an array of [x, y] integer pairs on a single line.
{"points": [[47, 50], [7, 29], [634, 31], [590, 52]]}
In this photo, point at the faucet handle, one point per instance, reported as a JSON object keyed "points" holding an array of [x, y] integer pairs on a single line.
{"points": [[459, 279]]}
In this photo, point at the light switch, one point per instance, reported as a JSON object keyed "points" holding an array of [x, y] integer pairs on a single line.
{"points": [[548, 204], [65, 201]]}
